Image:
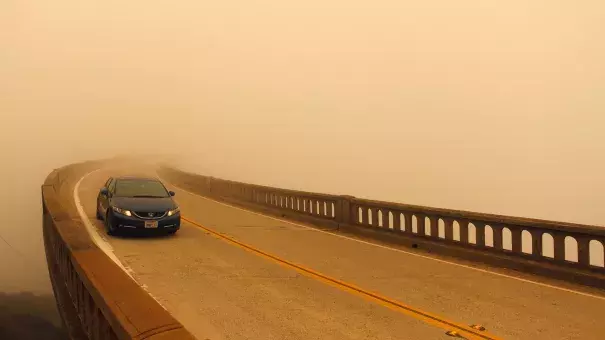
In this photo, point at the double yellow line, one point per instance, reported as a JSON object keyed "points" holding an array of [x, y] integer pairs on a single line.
{"points": [[452, 328]]}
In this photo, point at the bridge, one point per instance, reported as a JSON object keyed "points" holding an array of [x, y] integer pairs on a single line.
{"points": [[255, 262]]}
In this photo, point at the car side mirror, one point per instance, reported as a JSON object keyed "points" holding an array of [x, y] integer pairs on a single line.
{"points": [[171, 193], [104, 192]]}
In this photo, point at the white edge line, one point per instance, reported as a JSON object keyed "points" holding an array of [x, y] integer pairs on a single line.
{"points": [[396, 249], [100, 241]]}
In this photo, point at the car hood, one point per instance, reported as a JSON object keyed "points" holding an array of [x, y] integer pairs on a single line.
{"points": [[144, 204]]}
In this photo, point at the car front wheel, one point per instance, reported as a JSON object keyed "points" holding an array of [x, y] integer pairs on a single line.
{"points": [[109, 227], [99, 216]]}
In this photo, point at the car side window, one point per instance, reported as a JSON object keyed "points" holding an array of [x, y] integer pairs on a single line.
{"points": [[112, 186]]}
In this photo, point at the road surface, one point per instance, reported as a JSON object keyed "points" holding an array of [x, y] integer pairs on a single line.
{"points": [[235, 274]]}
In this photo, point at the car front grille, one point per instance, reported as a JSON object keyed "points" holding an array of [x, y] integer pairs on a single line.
{"points": [[149, 215]]}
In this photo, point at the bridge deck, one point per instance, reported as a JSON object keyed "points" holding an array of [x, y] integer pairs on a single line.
{"points": [[219, 289]]}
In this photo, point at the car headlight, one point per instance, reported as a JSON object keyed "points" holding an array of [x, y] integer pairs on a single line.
{"points": [[173, 211], [122, 211]]}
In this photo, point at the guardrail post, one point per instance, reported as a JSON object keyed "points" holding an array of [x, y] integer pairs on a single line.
{"points": [[463, 231], [374, 221], [480, 234], [516, 239], [583, 251], [344, 210], [364, 218], [420, 224], [448, 225], [497, 236], [559, 245], [396, 220], [536, 237], [434, 226], [408, 223]]}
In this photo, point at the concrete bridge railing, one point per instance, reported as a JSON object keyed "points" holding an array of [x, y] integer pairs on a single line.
{"points": [[96, 298], [562, 250]]}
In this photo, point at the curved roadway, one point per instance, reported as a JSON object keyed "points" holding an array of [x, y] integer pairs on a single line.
{"points": [[234, 274]]}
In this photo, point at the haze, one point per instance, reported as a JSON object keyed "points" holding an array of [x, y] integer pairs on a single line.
{"points": [[486, 106]]}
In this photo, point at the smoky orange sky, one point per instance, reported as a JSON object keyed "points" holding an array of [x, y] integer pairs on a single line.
{"points": [[487, 106]]}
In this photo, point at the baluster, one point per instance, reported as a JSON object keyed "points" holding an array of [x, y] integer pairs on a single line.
{"points": [[516, 239], [559, 244], [364, 215], [355, 213], [480, 232], [536, 238], [497, 236], [434, 226], [374, 217], [463, 231], [408, 223], [448, 225], [583, 250], [420, 224], [396, 220], [602, 240]]}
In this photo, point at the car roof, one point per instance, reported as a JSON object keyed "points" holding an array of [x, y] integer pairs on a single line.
{"points": [[142, 178]]}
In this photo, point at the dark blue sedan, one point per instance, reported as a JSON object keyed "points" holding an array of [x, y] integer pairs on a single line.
{"points": [[137, 203]]}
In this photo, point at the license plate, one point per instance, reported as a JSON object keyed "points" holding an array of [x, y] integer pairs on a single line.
{"points": [[151, 224]]}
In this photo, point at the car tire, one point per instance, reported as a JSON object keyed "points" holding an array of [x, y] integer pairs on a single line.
{"points": [[171, 232], [108, 225], [99, 216]]}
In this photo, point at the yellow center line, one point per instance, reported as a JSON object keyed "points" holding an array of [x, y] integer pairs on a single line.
{"points": [[462, 330]]}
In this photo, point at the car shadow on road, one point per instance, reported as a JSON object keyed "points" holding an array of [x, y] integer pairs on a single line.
{"points": [[143, 235], [28, 316]]}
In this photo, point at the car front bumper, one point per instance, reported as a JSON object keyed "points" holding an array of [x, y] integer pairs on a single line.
{"points": [[123, 222]]}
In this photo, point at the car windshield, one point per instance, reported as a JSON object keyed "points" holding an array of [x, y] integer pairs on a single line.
{"points": [[140, 188]]}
